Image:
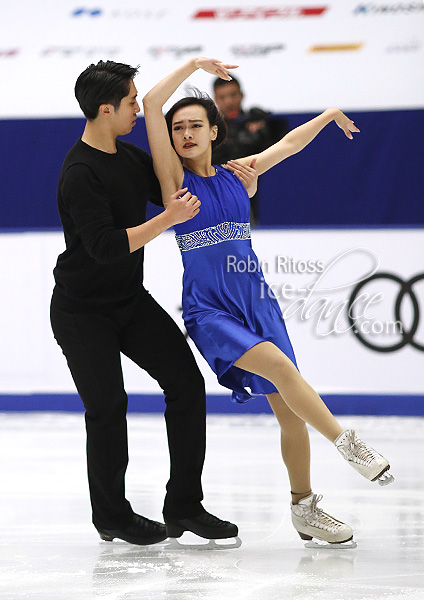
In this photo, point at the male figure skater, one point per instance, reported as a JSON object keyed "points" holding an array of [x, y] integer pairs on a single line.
{"points": [[100, 308]]}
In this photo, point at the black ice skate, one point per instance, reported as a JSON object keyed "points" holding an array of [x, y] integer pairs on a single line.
{"points": [[140, 531], [206, 526]]}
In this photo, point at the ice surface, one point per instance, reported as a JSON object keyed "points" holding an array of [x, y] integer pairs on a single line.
{"points": [[49, 550]]}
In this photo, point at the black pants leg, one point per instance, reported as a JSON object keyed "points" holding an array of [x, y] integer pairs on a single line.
{"points": [[166, 356], [92, 343]]}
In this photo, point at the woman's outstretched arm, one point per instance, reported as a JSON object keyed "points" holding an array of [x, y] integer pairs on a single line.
{"points": [[300, 137], [166, 162]]}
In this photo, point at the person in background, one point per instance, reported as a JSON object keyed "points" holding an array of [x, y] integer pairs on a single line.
{"points": [[248, 132]]}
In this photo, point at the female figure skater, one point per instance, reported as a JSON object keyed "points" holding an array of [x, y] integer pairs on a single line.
{"points": [[237, 327]]}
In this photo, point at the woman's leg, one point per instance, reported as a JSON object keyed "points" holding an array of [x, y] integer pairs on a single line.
{"points": [[266, 360], [308, 521], [295, 448]]}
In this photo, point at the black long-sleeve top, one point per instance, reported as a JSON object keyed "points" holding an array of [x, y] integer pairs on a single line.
{"points": [[99, 196]]}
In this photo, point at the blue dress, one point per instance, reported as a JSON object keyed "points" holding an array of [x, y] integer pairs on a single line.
{"points": [[227, 306]]}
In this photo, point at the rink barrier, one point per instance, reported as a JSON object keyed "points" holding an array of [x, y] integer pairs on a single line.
{"points": [[351, 404], [312, 188]]}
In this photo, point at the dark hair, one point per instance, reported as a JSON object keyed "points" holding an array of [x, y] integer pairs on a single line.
{"points": [[218, 82], [215, 116], [105, 83]]}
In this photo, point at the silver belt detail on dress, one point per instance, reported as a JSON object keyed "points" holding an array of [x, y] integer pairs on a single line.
{"points": [[213, 235]]}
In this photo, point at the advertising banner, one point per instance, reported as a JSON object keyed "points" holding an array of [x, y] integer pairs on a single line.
{"points": [[352, 300], [294, 56]]}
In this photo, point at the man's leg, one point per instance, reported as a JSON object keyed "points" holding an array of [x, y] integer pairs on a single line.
{"points": [[154, 342], [90, 345]]}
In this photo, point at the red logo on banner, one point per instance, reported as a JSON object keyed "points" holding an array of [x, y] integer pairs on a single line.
{"points": [[261, 12], [8, 52]]}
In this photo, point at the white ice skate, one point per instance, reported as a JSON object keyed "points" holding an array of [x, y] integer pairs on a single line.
{"points": [[312, 522], [363, 458]]}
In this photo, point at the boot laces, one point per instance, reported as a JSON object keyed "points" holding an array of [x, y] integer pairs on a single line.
{"points": [[359, 450], [209, 519], [145, 524], [318, 518]]}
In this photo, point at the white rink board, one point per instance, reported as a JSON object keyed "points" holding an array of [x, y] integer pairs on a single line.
{"points": [[332, 361], [295, 56]]}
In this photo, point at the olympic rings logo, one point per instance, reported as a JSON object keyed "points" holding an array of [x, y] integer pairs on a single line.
{"points": [[407, 332]]}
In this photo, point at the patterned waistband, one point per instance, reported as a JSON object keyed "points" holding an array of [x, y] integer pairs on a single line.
{"points": [[213, 235]]}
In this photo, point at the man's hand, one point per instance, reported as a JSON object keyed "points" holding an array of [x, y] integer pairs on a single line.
{"points": [[182, 206], [247, 175]]}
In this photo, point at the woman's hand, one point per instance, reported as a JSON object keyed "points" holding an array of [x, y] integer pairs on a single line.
{"points": [[247, 174], [345, 124], [215, 67], [182, 206]]}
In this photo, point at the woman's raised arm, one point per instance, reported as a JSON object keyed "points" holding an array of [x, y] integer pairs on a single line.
{"points": [[166, 162]]}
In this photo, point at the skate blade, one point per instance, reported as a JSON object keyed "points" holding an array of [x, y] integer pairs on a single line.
{"points": [[224, 544], [350, 545], [385, 478]]}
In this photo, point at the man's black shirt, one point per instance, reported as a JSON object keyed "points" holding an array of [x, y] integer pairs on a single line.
{"points": [[99, 196]]}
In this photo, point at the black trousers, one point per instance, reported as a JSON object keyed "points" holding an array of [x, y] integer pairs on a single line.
{"points": [[92, 343]]}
